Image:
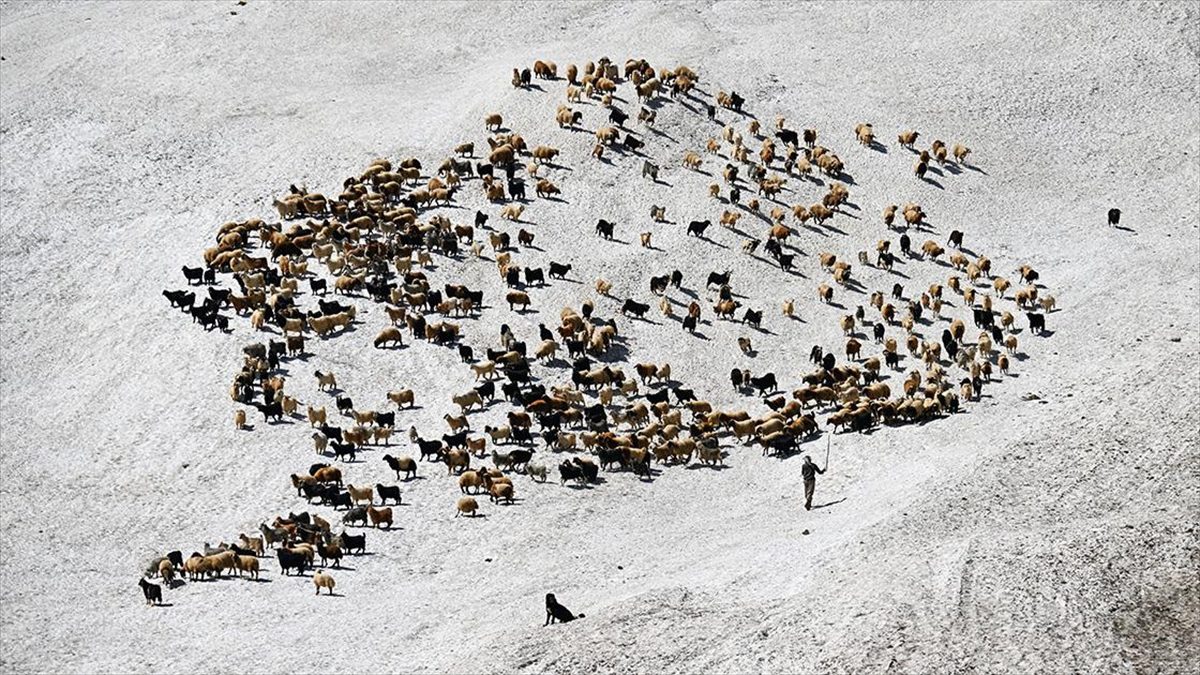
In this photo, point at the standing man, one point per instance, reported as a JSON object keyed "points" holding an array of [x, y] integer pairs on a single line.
{"points": [[809, 472]]}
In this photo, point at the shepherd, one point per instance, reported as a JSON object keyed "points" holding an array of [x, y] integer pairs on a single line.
{"points": [[809, 472]]}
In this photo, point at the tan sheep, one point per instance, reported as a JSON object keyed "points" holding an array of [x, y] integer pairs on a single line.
{"points": [[166, 570], [239, 419], [825, 293], [247, 564], [960, 152], [358, 495], [606, 135], [692, 160], [512, 212], [603, 287], [789, 308], [323, 580]]}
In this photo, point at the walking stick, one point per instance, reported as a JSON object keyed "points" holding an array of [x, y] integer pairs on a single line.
{"points": [[828, 440]]}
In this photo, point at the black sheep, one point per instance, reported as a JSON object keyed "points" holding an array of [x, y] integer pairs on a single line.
{"points": [[353, 542], [1037, 322], [341, 450], [568, 471], [765, 384], [696, 228], [559, 270], [387, 492], [289, 560], [635, 308]]}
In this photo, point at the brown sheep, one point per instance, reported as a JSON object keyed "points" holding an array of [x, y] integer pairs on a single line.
{"points": [[380, 516], [514, 298], [402, 397], [544, 153], [931, 249], [853, 348], [546, 189], [825, 292], [239, 419], [907, 138], [493, 121], [692, 160], [466, 505], [390, 334]]}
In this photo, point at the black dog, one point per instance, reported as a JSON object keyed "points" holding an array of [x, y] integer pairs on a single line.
{"points": [[556, 612], [153, 593]]}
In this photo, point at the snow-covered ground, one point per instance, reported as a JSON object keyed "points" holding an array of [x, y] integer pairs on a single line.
{"points": [[1051, 532]]}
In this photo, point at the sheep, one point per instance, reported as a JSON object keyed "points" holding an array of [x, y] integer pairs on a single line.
{"points": [[499, 491], [466, 506], [166, 569], [390, 334], [825, 293], [247, 564], [401, 398], [328, 474], [692, 160], [514, 298], [603, 287], [379, 516], [403, 464], [323, 580], [512, 212], [931, 249], [960, 153], [326, 381], [853, 348], [493, 121], [544, 153], [361, 494], [485, 369]]}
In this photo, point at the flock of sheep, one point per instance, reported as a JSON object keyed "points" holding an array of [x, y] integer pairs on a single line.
{"points": [[379, 237]]}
